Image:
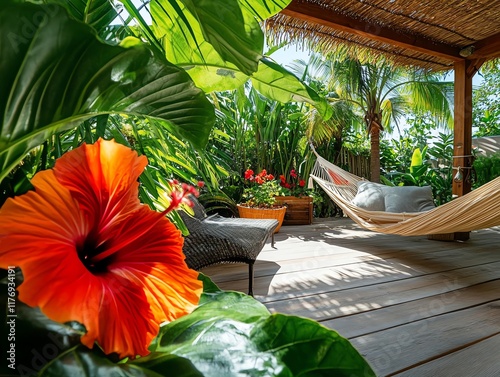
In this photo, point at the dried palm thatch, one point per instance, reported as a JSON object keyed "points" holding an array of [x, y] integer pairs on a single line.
{"points": [[428, 33]]}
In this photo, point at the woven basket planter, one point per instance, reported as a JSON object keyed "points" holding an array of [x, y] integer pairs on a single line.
{"points": [[299, 210], [277, 213]]}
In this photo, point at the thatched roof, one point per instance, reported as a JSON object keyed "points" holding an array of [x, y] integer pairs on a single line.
{"points": [[431, 34]]}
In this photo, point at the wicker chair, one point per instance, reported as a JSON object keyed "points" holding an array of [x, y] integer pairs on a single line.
{"points": [[216, 239]]}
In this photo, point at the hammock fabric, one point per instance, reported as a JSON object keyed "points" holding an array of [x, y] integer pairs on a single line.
{"points": [[478, 209]]}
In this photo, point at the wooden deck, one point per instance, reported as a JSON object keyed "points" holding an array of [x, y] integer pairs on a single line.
{"points": [[411, 306]]}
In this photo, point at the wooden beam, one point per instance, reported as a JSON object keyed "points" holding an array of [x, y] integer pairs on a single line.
{"points": [[487, 48], [327, 17], [474, 66]]}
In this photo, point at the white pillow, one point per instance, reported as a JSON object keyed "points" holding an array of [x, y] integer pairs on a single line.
{"points": [[369, 196], [400, 199], [377, 197]]}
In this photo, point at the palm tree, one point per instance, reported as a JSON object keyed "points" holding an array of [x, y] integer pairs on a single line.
{"points": [[383, 95], [379, 96]]}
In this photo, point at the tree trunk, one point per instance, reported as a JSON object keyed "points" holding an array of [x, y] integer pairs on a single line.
{"points": [[375, 154]]}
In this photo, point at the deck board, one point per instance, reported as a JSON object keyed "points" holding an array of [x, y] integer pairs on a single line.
{"points": [[411, 306], [469, 361]]}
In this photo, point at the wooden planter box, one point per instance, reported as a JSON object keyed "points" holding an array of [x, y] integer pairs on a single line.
{"points": [[299, 210]]}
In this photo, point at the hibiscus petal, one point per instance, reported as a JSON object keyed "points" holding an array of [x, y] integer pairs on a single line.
{"points": [[103, 178], [152, 261], [121, 292], [40, 232]]}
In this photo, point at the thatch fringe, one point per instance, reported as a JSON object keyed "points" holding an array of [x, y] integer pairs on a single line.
{"points": [[457, 23]]}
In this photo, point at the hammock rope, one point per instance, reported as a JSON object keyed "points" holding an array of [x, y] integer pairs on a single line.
{"points": [[478, 209]]}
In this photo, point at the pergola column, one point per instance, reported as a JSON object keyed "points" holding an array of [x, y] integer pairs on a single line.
{"points": [[462, 150]]}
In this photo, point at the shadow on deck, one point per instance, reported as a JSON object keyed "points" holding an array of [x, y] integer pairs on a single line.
{"points": [[411, 306]]}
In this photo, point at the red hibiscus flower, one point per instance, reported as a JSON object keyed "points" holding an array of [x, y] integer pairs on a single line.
{"points": [[90, 252], [249, 174], [263, 173]]}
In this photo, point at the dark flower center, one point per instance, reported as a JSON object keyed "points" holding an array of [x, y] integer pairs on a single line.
{"points": [[88, 251]]}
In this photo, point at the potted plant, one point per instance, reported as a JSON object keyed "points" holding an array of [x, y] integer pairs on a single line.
{"points": [[260, 197], [298, 199]]}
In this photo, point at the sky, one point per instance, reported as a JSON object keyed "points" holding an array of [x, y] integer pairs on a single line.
{"points": [[288, 54]]}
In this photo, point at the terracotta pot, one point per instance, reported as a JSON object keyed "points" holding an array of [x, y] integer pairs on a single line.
{"points": [[299, 209], [277, 213]]}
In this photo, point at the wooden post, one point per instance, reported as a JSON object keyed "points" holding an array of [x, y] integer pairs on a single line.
{"points": [[463, 128], [462, 151]]}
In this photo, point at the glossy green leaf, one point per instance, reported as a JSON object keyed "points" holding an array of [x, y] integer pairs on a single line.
{"points": [[275, 82], [50, 83], [263, 9], [309, 349], [219, 43], [232, 334], [96, 13], [232, 32]]}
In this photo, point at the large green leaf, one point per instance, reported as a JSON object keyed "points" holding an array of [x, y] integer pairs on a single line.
{"points": [[96, 13], [218, 42], [275, 82], [263, 9], [55, 73], [231, 334], [232, 33]]}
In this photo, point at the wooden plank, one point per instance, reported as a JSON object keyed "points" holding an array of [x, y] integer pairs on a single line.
{"points": [[390, 316], [328, 271], [328, 305], [479, 360], [423, 256], [397, 349], [315, 14]]}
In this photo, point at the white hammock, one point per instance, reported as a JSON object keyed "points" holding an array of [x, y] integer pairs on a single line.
{"points": [[478, 209]]}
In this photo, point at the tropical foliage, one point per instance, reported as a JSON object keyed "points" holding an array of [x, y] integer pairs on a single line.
{"points": [[377, 96], [486, 104], [486, 168], [55, 84], [413, 161]]}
